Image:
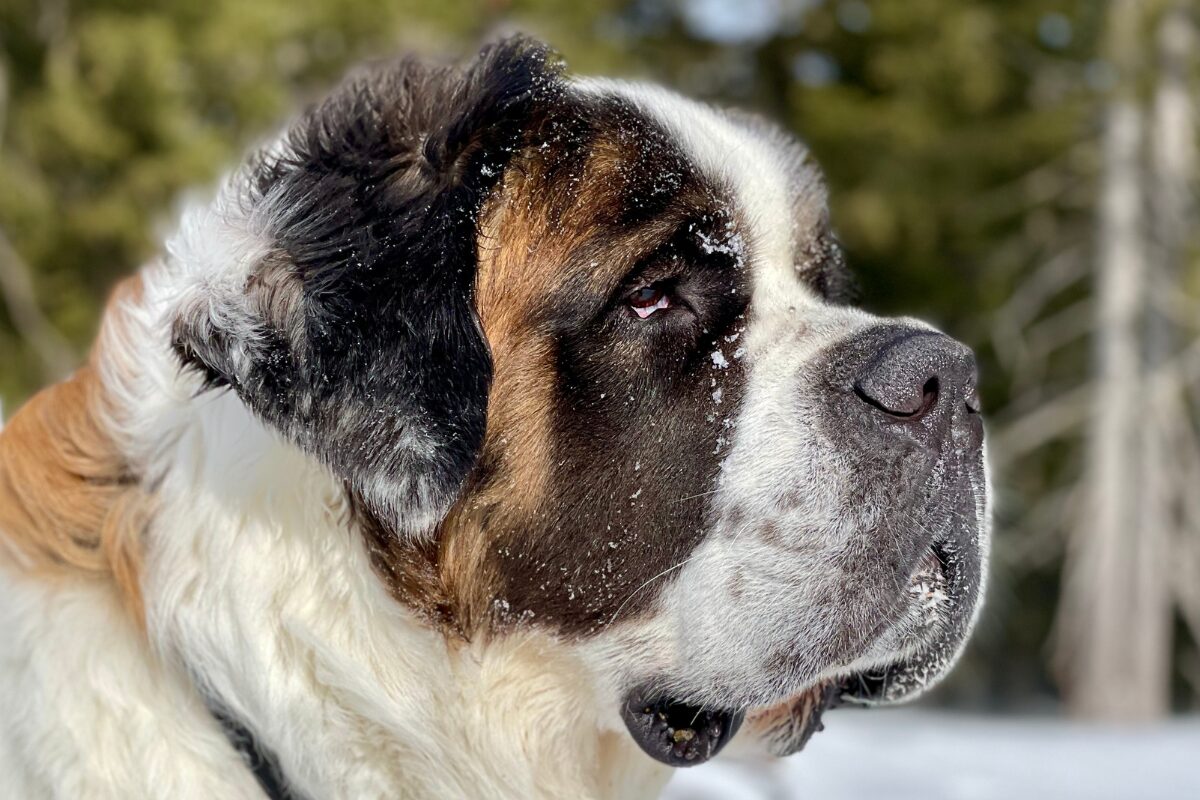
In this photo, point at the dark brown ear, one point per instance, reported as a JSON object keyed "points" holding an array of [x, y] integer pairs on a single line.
{"points": [[363, 345]]}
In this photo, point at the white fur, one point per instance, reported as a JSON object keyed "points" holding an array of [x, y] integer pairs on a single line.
{"points": [[273, 602], [90, 714]]}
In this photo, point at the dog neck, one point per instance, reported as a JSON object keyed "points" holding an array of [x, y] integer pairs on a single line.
{"points": [[254, 583]]}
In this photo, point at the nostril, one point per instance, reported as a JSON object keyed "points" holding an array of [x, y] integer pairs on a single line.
{"points": [[904, 405], [929, 395], [974, 406]]}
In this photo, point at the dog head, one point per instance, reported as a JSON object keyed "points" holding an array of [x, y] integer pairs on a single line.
{"points": [[582, 354]]}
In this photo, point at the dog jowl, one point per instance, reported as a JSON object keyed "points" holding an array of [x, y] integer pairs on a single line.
{"points": [[576, 363]]}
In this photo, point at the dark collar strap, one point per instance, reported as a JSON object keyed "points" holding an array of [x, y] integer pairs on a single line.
{"points": [[261, 761]]}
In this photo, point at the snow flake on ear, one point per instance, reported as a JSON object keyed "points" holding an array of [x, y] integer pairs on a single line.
{"points": [[504, 613], [719, 360], [726, 241], [731, 245]]}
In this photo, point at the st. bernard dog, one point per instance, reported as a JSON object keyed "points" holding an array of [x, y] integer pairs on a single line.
{"points": [[491, 434]]}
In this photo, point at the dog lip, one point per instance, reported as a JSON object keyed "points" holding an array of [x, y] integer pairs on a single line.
{"points": [[674, 732], [791, 724]]}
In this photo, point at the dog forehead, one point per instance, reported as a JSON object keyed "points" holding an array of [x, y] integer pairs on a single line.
{"points": [[778, 193]]}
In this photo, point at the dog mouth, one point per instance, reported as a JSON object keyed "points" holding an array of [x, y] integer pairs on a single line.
{"points": [[677, 733], [683, 734]]}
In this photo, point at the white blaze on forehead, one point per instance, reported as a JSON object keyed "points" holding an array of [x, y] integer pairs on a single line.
{"points": [[778, 199]]}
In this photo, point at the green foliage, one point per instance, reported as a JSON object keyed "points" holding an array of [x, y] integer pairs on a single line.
{"points": [[116, 108]]}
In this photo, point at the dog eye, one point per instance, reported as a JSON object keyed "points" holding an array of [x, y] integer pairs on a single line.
{"points": [[647, 300]]}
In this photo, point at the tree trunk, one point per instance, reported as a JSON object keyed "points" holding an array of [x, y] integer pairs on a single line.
{"points": [[1112, 644], [1173, 158]]}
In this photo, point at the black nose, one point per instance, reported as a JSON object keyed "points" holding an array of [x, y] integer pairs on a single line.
{"points": [[917, 373]]}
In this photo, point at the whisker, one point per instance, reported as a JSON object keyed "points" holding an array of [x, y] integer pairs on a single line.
{"points": [[634, 593], [694, 496]]}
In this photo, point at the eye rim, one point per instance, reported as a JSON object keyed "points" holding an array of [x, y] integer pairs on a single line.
{"points": [[649, 299]]}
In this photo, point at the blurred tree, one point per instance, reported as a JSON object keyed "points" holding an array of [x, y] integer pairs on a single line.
{"points": [[1123, 584], [1115, 665], [111, 109]]}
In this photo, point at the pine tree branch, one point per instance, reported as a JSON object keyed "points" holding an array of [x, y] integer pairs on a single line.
{"points": [[55, 353]]}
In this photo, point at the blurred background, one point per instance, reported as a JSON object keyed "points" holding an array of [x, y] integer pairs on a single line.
{"points": [[1021, 172]]}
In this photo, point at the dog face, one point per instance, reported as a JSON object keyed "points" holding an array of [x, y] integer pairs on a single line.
{"points": [[581, 353]]}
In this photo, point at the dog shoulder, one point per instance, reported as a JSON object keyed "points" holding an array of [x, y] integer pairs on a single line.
{"points": [[71, 504]]}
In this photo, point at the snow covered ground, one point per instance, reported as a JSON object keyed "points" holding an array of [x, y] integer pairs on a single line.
{"points": [[905, 754]]}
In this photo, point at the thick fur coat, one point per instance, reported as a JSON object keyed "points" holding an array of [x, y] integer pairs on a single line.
{"points": [[491, 433]]}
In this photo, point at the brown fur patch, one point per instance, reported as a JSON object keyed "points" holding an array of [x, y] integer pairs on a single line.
{"points": [[69, 503], [573, 216], [549, 208], [547, 213]]}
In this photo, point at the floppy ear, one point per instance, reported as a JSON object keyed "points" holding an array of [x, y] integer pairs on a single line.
{"points": [[356, 336]]}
